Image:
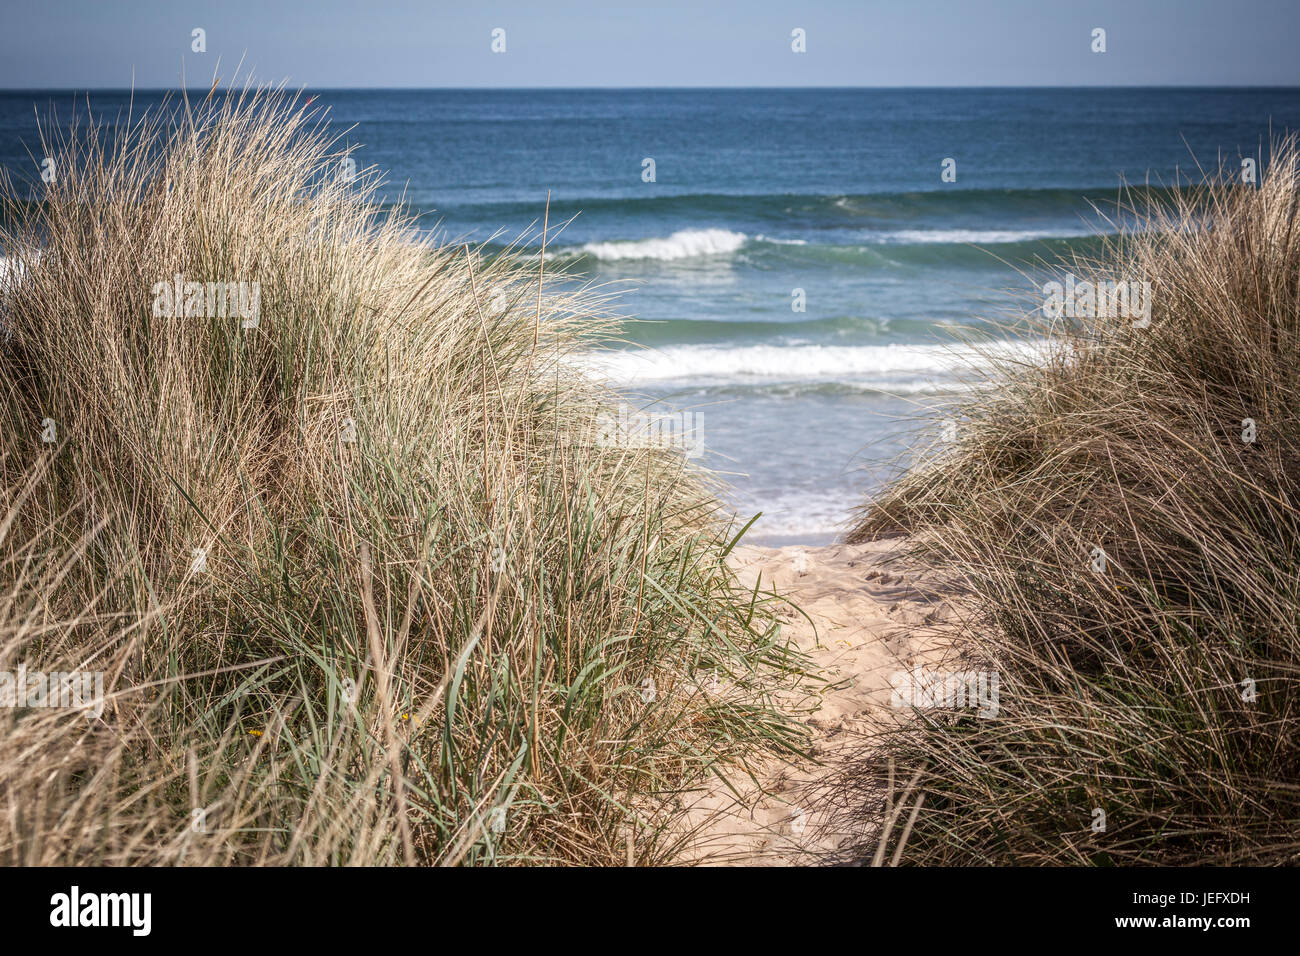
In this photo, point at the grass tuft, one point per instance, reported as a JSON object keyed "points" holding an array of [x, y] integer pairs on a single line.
{"points": [[362, 586], [1164, 690]]}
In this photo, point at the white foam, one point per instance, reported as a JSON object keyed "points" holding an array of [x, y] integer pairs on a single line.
{"points": [[683, 244], [699, 243], [909, 368], [803, 512], [977, 236]]}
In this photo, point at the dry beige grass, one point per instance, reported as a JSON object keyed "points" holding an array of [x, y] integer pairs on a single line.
{"points": [[1163, 688], [362, 588]]}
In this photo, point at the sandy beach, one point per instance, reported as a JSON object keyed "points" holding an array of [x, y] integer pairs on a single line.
{"points": [[867, 612]]}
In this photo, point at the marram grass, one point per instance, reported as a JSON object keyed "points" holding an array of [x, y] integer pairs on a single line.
{"points": [[361, 589], [1125, 521]]}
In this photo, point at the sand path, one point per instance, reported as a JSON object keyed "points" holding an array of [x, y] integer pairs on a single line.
{"points": [[872, 614]]}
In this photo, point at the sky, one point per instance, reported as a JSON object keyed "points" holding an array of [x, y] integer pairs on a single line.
{"points": [[87, 44]]}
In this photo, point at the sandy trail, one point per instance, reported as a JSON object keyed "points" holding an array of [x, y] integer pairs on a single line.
{"points": [[872, 614]]}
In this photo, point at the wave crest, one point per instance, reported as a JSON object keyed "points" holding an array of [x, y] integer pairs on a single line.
{"points": [[683, 244], [911, 368]]}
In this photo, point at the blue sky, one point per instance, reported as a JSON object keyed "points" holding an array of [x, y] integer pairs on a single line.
{"points": [[330, 43]]}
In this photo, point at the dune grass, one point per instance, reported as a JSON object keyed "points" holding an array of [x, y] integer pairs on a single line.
{"points": [[1130, 547], [362, 585]]}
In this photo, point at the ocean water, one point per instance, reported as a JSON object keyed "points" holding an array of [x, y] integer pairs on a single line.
{"points": [[765, 200]]}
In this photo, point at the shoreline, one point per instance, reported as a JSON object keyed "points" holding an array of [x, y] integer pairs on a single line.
{"points": [[824, 540]]}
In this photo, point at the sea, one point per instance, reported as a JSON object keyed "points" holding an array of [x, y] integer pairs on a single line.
{"points": [[811, 274]]}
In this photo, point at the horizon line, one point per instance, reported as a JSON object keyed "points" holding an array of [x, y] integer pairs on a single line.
{"points": [[676, 88]]}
